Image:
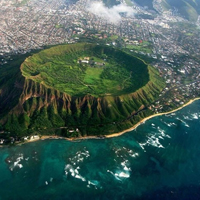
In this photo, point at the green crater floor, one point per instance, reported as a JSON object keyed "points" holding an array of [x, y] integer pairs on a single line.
{"points": [[81, 69]]}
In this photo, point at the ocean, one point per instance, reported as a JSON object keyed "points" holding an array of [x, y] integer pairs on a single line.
{"points": [[159, 160]]}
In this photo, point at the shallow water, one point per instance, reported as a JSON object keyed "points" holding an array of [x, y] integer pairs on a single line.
{"points": [[158, 160]]}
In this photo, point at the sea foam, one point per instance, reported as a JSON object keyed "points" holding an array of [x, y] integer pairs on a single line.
{"points": [[17, 163]]}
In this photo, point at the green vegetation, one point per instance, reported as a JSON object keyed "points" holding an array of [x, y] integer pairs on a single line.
{"points": [[11, 82], [43, 101], [111, 3], [21, 3], [58, 26], [141, 48], [105, 71], [113, 37]]}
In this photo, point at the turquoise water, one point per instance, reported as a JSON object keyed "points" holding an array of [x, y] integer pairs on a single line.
{"points": [[159, 160]]}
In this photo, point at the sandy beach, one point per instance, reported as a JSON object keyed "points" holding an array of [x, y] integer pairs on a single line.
{"points": [[44, 137]]}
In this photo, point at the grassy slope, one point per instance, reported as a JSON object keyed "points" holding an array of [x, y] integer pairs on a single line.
{"points": [[187, 8], [190, 9], [59, 69]]}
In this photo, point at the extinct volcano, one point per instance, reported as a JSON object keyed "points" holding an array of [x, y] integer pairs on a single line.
{"points": [[86, 69], [80, 89]]}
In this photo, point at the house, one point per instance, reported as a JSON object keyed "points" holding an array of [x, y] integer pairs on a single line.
{"points": [[98, 63]]}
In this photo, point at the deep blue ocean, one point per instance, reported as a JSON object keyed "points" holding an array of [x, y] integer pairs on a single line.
{"points": [[160, 160]]}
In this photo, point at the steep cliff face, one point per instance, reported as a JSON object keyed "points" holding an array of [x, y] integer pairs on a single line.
{"points": [[46, 110], [11, 85]]}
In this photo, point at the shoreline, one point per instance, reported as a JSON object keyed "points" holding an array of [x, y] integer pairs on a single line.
{"points": [[149, 117], [45, 137]]}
